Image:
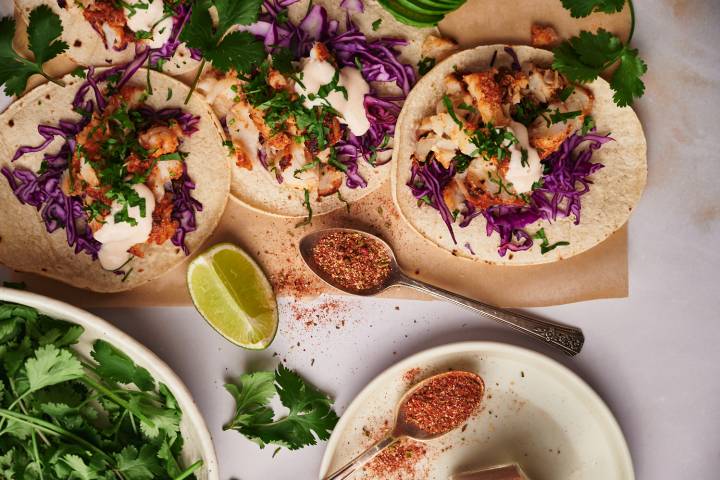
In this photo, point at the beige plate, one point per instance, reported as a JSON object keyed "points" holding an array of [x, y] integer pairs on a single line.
{"points": [[536, 412], [198, 444]]}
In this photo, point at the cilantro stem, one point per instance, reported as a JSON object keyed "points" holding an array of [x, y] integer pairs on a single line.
{"points": [[189, 471], [195, 81], [47, 427], [108, 393], [632, 21]]}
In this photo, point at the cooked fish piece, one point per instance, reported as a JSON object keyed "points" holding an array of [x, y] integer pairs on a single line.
{"points": [[330, 180], [543, 36], [221, 90], [244, 134], [548, 138], [487, 96], [162, 173], [438, 48], [161, 140], [291, 164], [543, 83]]}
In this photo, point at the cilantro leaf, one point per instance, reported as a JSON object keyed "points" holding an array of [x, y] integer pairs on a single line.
{"points": [[198, 32], [238, 50], [80, 470], [43, 30], [626, 79], [234, 12], [310, 416], [545, 246], [50, 366], [115, 366], [282, 59], [583, 58], [142, 465], [583, 8]]}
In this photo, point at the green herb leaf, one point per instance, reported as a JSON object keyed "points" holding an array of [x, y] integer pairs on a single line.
{"points": [[425, 65], [50, 366], [583, 8], [451, 110], [44, 28], [234, 12], [545, 246], [376, 24], [115, 366], [238, 50], [308, 206], [626, 79], [311, 416], [583, 58]]}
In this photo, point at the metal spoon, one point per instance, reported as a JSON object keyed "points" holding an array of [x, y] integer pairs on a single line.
{"points": [[401, 429], [566, 338]]}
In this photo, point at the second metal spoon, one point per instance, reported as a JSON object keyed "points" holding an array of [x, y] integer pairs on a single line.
{"points": [[566, 338]]}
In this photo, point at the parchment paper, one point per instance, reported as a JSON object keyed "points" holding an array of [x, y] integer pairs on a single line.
{"points": [[598, 273]]}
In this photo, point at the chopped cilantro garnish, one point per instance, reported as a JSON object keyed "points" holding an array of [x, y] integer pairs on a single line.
{"points": [[425, 65], [545, 246], [308, 206], [376, 24]]}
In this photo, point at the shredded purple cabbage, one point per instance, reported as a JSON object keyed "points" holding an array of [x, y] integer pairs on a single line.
{"points": [[43, 190], [185, 208], [515, 62], [379, 61], [427, 182], [558, 197]]}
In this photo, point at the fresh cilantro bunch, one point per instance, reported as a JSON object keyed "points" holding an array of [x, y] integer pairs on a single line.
{"points": [[225, 49], [311, 416], [43, 31], [63, 416], [583, 58]]}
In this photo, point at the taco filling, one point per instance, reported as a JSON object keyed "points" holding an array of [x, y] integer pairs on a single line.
{"points": [[151, 23], [312, 110], [513, 144], [119, 182]]}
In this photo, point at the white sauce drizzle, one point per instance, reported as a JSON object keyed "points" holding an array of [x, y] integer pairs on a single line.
{"points": [[316, 73], [522, 176], [117, 238]]}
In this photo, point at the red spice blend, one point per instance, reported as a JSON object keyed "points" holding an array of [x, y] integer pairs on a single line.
{"points": [[353, 261], [444, 403]]}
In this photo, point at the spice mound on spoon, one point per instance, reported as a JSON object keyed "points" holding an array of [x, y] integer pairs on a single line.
{"points": [[359, 263], [434, 407]]}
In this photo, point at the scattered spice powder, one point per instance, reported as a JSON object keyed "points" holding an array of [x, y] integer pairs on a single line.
{"points": [[398, 459], [444, 403], [353, 261]]}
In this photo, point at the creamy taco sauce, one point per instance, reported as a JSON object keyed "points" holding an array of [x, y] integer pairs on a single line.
{"points": [[521, 174], [148, 17], [316, 73], [117, 238]]}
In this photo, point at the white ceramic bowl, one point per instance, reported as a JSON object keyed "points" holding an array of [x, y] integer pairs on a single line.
{"points": [[198, 444]]}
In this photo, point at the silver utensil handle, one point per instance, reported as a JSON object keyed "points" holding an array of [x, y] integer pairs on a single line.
{"points": [[361, 460], [568, 339]]}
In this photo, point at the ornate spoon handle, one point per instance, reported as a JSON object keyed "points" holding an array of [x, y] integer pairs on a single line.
{"points": [[568, 339]]}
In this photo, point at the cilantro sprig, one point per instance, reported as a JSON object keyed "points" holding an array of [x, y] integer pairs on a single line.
{"points": [[66, 416], [583, 58], [310, 415], [44, 30], [236, 50], [545, 246]]}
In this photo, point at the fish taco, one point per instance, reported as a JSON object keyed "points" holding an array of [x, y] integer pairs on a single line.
{"points": [[312, 127], [111, 181], [499, 158], [111, 32]]}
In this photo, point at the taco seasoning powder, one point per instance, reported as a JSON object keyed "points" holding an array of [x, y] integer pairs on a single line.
{"points": [[444, 403], [352, 260]]}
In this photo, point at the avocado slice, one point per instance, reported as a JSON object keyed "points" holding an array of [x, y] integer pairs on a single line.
{"points": [[409, 17], [421, 7]]}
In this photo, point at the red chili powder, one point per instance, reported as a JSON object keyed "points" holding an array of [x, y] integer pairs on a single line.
{"points": [[399, 458], [444, 403], [353, 261]]}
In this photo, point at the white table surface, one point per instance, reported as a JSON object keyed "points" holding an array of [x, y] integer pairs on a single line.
{"points": [[654, 357]]}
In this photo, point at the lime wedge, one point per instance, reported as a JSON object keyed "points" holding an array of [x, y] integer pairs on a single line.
{"points": [[231, 291]]}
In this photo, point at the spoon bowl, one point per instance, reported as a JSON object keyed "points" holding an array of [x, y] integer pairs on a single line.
{"points": [[566, 338], [307, 245]]}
